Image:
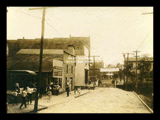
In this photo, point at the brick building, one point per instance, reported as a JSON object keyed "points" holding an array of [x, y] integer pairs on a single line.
{"points": [[24, 54]]}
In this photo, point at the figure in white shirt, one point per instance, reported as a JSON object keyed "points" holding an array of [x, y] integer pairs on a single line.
{"points": [[24, 94]]}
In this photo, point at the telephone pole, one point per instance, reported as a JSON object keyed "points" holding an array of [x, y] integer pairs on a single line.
{"points": [[126, 67], [40, 60], [94, 72], [136, 85]]}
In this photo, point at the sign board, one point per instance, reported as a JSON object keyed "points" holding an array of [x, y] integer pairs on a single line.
{"points": [[57, 63], [109, 69], [109, 74]]}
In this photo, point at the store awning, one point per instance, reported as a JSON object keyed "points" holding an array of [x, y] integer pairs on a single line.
{"points": [[21, 72]]}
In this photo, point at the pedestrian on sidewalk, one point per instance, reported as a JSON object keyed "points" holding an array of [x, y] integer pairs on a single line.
{"points": [[67, 89], [29, 95], [57, 89], [15, 97], [24, 94], [49, 92]]}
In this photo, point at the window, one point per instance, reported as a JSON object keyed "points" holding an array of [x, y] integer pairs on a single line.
{"points": [[71, 69], [58, 46], [66, 68], [60, 73], [56, 73]]}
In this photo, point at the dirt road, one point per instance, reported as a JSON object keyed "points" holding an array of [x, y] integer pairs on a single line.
{"points": [[101, 100]]}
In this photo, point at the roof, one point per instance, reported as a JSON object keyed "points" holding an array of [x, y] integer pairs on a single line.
{"points": [[49, 43], [21, 72], [37, 51], [31, 62]]}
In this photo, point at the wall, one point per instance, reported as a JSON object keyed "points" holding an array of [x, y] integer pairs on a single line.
{"points": [[69, 74], [80, 72]]}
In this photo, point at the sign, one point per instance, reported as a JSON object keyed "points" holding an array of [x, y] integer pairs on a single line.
{"points": [[57, 63], [109, 69], [109, 74]]}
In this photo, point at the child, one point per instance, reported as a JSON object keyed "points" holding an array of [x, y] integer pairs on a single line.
{"points": [[15, 97], [24, 94]]}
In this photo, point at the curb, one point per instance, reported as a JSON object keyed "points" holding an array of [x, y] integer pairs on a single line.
{"points": [[143, 103], [81, 94], [37, 110]]}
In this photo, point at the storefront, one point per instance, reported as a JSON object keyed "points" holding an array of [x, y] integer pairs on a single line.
{"points": [[58, 74]]}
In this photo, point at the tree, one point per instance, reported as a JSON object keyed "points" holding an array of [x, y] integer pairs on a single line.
{"points": [[144, 68]]}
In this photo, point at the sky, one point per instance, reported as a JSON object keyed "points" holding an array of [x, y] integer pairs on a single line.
{"points": [[112, 30]]}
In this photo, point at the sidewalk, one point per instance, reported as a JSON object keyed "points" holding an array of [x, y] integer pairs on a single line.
{"points": [[44, 102]]}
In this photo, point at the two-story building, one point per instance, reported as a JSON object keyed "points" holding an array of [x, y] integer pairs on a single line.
{"points": [[54, 66], [73, 52]]}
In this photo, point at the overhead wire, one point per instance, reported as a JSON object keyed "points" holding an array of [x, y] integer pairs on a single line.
{"points": [[143, 40], [38, 18]]}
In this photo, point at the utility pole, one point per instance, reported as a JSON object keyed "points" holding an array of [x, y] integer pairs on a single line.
{"points": [[127, 70], [136, 86], [126, 67], [40, 60], [147, 13], [94, 72]]}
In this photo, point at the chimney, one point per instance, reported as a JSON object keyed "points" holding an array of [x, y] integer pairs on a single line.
{"points": [[71, 49]]}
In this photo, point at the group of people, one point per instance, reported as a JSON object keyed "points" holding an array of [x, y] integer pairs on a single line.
{"points": [[26, 95]]}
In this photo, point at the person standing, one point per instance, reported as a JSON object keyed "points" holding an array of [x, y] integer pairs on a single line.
{"points": [[17, 88], [67, 89], [29, 94], [57, 89], [52, 86], [24, 94], [49, 92]]}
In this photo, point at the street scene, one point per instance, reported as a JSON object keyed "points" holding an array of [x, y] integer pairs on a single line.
{"points": [[79, 60]]}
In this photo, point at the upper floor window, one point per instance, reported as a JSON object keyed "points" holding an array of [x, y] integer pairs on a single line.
{"points": [[66, 68], [71, 69]]}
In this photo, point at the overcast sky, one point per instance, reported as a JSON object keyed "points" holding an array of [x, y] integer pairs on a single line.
{"points": [[112, 30]]}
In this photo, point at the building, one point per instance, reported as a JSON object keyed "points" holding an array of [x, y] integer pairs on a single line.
{"points": [[95, 71], [73, 52], [54, 66], [140, 61], [109, 73]]}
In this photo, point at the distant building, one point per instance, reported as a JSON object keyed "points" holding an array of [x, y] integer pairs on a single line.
{"points": [[109, 73], [98, 66], [132, 63]]}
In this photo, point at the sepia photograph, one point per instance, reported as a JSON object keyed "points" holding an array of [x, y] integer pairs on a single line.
{"points": [[79, 59]]}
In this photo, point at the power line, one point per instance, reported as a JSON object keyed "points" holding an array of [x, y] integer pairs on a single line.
{"points": [[26, 14], [143, 41], [53, 28], [38, 18]]}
